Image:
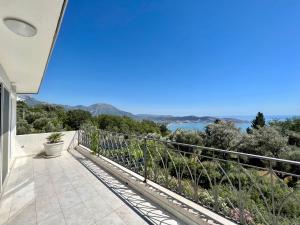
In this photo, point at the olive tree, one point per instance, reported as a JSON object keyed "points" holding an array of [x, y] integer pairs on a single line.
{"points": [[186, 137], [265, 141], [223, 135]]}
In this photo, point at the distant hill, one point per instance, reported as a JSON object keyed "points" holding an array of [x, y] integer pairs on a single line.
{"points": [[29, 100], [103, 108], [183, 119], [95, 109], [107, 109]]}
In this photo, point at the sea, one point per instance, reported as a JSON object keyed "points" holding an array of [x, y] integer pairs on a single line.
{"points": [[200, 126]]}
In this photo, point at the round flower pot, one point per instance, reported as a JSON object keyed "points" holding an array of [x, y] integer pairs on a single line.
{"points": [[53, 149]]}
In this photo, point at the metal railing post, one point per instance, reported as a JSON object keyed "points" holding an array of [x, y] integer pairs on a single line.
{"points": [[274, 222], [240, 195], [145, 161]]}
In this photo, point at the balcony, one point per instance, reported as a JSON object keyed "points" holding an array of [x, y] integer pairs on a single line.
{"points": [[126, 179], [239, 187], [62, 191]]}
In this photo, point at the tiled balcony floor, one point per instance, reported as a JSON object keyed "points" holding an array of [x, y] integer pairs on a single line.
{"points": [[62, 191]]}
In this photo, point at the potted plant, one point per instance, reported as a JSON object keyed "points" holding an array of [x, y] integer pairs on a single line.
{"points": [[54, 145]]}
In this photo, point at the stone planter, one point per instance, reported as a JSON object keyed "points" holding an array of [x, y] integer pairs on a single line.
{"points": [[54, 149]]}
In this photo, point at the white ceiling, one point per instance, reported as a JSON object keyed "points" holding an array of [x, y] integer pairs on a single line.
{"points": [[25, 59]]}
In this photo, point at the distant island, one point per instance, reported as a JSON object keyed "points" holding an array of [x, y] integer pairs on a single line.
{"points": [[184, 119], [107, 109]]}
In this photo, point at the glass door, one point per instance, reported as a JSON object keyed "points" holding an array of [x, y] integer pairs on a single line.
{"points": [[5, 122], [4, 131]]}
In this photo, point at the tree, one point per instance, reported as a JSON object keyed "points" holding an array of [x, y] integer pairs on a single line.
{"points": [[290, 128], [23, 127], [259, 121], [163, 130], [222, 135], [48, 118], [265, 141], [218, 121], [22, 109], [41, 123], [77, 117], [33, 116], [124, 124], [186, 137]]}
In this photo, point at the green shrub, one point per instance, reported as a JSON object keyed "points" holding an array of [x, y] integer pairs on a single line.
{"points": [[55, 138], [222, 135], [186, 137]]}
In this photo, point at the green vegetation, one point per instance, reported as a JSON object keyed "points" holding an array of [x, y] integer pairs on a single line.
{"points": [[223, 186], [278, 139], [259, 121], [128, 125], [50, 118], [222, 135], [186, 137], [75, 118], [211, 178], [289, 128], [54, 138]]}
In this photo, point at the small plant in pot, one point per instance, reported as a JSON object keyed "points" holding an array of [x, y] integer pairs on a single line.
{"points": [[54, 145]]}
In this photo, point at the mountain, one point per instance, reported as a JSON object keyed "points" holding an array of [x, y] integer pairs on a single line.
{"points": [[107, 109], [95, 109], [102, 108], [29, 100]]}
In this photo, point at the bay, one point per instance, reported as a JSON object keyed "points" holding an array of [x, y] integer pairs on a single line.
{"points": [[200, 126]]}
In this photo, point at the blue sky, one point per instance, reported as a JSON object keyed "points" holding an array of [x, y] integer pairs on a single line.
{"points": [[179, 57]]}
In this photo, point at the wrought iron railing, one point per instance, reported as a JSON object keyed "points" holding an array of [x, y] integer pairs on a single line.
{"points": [[249, 189]]}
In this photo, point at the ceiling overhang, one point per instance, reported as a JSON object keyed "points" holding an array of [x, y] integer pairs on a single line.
{"points": [[25, 59]]}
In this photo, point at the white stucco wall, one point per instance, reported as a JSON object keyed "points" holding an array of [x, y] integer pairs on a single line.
{"points": [[12, 121], [29, 144], [3, 78]]}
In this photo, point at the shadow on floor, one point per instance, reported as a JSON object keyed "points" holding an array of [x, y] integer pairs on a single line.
{"points": [[151, 213]]}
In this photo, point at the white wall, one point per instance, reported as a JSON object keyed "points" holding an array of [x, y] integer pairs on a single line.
{"points": [[3, 77], [13, 120], [29, 144], [12, 124]]}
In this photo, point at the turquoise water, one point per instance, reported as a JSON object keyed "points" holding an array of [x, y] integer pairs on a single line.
{"points": [[201, 126]]}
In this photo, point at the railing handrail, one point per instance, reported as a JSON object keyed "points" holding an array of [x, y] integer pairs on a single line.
{"points": [[207, 177], [207, 148]]}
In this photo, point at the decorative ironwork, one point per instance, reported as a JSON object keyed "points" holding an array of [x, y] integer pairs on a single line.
{"points": [[249, 189]]}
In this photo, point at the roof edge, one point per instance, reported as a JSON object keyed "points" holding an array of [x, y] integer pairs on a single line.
{"points": [[59, 22]]}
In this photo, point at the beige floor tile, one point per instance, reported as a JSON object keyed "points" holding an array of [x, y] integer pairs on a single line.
{"points": [[78, 215], [47, 208], [86, 192], [79, 182], [57, 219], [44, 191], [60, 191], [63, 186], [129, 216], [98, 207], [111, 199], [42, 181], [68, 199], [5, 206], [21, 202], [111, 219], [24, 216]]}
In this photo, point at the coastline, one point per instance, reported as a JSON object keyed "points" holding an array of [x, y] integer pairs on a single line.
{"points": [[242, 122]]}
